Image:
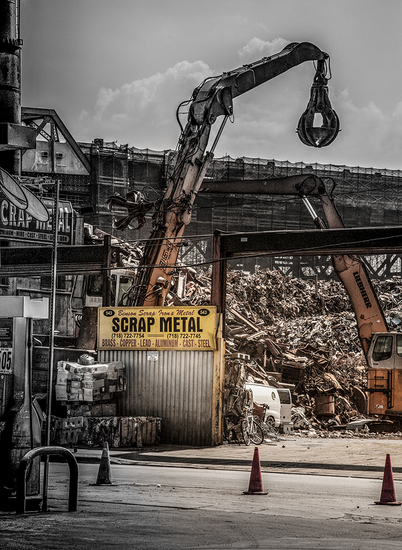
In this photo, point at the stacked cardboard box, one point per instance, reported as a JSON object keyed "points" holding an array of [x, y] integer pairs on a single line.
{"points": [[89, 383]]}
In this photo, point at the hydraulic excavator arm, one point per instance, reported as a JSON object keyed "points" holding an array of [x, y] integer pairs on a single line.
{"points": [[214, 98], [351, 270]]}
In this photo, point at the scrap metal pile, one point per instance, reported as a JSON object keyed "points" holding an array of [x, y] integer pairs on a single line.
{"points": [[299, 332]]}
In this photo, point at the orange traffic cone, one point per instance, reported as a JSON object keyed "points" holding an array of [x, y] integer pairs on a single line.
{"points": [[255, 486], [104, 477], [388, 489]]}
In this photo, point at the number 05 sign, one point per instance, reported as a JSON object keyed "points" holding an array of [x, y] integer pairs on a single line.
{"points": [[5, 360]]}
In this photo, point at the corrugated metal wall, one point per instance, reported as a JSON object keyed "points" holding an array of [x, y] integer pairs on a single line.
{"points": [[178, 387]]}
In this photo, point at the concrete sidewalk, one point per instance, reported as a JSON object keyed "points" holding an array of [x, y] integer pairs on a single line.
{"points": [[349, 456]]}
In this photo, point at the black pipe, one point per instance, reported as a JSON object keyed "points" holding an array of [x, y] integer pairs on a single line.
{"points": [[10, 77]]}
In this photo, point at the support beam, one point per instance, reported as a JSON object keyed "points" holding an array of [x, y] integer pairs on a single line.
{"points": [[313, 242], [218, 283], [24, 261]]}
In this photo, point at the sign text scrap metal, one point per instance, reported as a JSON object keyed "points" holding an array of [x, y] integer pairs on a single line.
{"points": [[158, 328]]}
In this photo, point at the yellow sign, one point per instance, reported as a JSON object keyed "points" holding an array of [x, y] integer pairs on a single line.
{"points": [[157, 328]]}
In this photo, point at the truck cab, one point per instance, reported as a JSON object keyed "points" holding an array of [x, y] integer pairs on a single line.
{"points": [[384, 360]]}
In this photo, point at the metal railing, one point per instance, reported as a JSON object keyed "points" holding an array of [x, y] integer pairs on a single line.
{"points": [[23, 469]]}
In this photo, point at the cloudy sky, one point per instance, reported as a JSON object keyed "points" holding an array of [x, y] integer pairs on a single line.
{"points": [[118, 69]]}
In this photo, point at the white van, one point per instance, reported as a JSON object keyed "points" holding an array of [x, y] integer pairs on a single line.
{"points": [[278, 400]]}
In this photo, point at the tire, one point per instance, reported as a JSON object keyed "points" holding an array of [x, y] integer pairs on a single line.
{"points": [[257, 435], [245, 431]]}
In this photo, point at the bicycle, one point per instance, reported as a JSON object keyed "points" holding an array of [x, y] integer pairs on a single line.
{"points": [[240, 422], [267, 423], [250, 428]]}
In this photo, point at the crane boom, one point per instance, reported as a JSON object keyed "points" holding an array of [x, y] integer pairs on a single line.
{"points": [[211, 99]]}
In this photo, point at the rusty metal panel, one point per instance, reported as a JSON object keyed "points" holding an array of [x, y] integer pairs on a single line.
{"points": [[174, 385]]}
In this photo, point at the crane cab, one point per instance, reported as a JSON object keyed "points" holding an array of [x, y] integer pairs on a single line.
{"points": [[384, 360], [88, 289]]}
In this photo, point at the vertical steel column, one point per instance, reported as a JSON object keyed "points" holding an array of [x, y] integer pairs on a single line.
{"points": [[218, 283], [106, 273], [51, 340], [10, 78]]}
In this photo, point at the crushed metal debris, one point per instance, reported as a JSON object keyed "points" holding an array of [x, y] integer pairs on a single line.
{"points": [[301, 334]]}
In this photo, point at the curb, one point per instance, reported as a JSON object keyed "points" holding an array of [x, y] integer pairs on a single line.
{"points": [[126, 459]]}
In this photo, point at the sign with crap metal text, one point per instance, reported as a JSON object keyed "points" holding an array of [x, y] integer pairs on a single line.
{"points": [[23, 216], [157, 328]]}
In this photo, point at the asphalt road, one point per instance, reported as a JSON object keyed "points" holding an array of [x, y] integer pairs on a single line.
{"points": [[162, 507]]}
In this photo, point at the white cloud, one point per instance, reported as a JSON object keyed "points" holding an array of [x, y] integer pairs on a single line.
{"points": [[142, 112], [258, 48], [105, 98], [369, 136]]}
